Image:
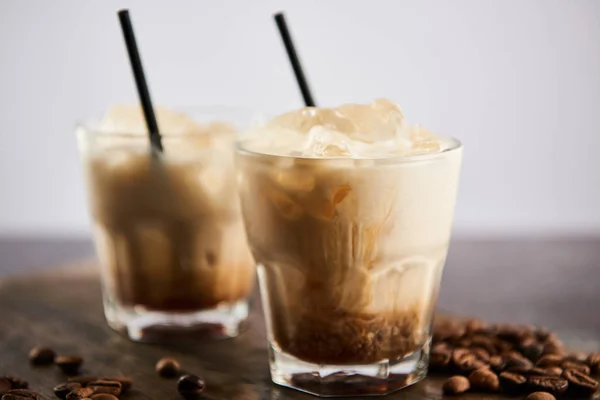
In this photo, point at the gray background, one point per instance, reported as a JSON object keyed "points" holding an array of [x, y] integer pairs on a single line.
{"points": [[517, 80]]}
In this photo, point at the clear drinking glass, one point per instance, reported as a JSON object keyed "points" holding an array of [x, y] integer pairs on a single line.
{"points": [[168, 230], [350, 255]]}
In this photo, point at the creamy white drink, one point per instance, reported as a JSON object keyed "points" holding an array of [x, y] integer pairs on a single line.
{"points": [[348, 213], [168, 228]]}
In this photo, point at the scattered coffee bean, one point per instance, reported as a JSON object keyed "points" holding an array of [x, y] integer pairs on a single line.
{"points": [[516, 359], [16, 382], [542, 333], [550, 360], [481, 354], [521, 370], [513, 334], [5, 386], [41, 355], [484, 342], [554, 346], [456, 384], [584, 369], [21, 394], [103, 396], [168, 367], [190, 386], [108, 387], [553, 371], [465, 361], [79, 394], [484, 380], [580, 384], [511, 382], [125, 382], [540, 396], [497, 363], [439, 358], [84, 380], [475, 325], [593, 361], [551, 384], [69, 365], [531, 348], [579, 357], [61, 391]]}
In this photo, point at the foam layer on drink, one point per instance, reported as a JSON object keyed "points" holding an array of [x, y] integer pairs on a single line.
{"points": [[375, 130], [351, 248], [168, 230]]}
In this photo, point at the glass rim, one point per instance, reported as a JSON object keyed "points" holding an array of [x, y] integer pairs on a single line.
{"points": [[91, 126], [455, 145]]}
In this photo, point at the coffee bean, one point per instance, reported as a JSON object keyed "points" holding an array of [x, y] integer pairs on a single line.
{"points": [[579, 357], [502, 346], [456, 384], [511, 382], [540, 396], [69, 365], [61, 391], [125, 382], [542, 333], [475, 326], [497, 363], [485, 380], [108, 387], [550, 360], [512, 334], [548, 371], [84, 380], [516, 359], [531, 349], [593, 361], [580, 384], [16, 382], [551, 384], [439, 358], [41, 355], [465, 361], [584, 369], [554, 371], [554, 346], [21, 394], [5, 386], [168, 367], [481, 354], [103, 396], [81, 393], [521, 370], [190, 386]]}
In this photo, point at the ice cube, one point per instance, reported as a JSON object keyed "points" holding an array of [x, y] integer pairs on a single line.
{"points": [[214, 179], [380, 120], [293, 179], [305, 119], [130, 119], [287, 207], [323, 142], [423, 141]]}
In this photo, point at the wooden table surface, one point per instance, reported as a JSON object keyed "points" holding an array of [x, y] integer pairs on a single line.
{"points": [[548, 282]]}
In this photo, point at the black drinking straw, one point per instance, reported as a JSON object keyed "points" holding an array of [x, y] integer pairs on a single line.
{"points": [[293, 56], [140, 80]]}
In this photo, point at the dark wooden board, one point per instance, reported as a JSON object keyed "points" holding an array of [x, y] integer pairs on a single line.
{"points": [[61, 308]]}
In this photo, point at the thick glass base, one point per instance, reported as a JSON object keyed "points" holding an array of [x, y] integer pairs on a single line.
{"points": [[347, 380], [142, 325]]}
